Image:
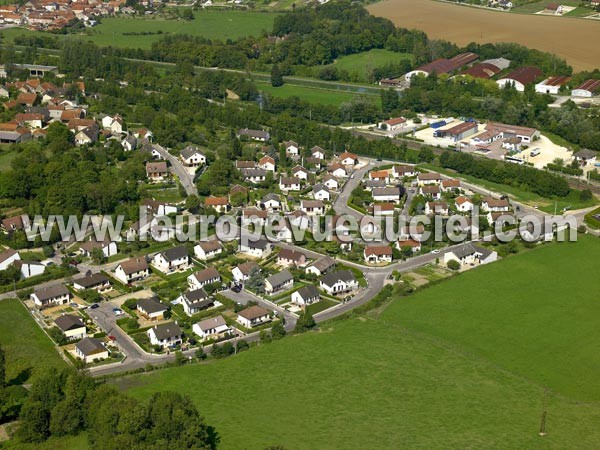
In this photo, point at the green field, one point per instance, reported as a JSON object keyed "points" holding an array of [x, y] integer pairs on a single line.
{"points": [[310, 94], [210, 24], [361, 64], [25, 344], [78, 442], [469, 363]]}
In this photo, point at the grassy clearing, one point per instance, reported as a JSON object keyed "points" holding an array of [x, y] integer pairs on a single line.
{"points": [[78, 442], [26, 345], [361, 64], [548, 205], [210, 24], [309, 94], [6, 157], [464, 364]]}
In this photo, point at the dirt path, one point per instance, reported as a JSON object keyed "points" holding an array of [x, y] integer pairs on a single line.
{"points": [[574, 39]]}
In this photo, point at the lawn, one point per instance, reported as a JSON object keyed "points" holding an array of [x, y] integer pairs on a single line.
{"points": [[309, 94], [210, 24], [6, 157], [78, 442], [361, 64], [25, 344], [549, 205], [464, 364]]}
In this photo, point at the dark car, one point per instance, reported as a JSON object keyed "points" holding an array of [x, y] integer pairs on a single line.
{"points": [[94, 306], [236, 288]]}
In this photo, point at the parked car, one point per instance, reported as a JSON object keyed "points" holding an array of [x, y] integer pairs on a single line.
{"points": [[117, 311], [94, 306]]}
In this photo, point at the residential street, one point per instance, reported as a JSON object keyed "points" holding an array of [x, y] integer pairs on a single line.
{"points": [[186, 180]]}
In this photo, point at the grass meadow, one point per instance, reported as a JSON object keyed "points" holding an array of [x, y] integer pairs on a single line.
{"points": [[309, 94], [361, 64], [27, 347], [472, 362]]}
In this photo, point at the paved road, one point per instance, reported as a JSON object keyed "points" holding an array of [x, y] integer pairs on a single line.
{"points": [[186, 180]]}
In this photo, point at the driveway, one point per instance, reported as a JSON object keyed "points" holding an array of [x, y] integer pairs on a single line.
{"points": [[185, 178]]}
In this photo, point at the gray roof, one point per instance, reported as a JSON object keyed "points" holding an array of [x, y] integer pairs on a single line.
{"points": [[68, 322], [260, 244], [175, 253], [320, 187], [254, 172], [151, 305], [323, 264], [90, 346], [470, 249], [271, 196], [308, 292], [212, 322], [51, 292], [253, 133], [386, 191], [197, 299], [342, 275], [166, 331], [280, 278], [93, 279], [189, 151], [586, 154], [375, 184]]}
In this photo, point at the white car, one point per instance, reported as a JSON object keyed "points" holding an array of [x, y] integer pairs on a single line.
{"points": [[435, 252]]}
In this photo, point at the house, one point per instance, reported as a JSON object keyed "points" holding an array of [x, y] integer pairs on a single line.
{"points": [[555, 8], [241, 165], [412, 231], [171, 260], [520, 78], [113, 124], [292, 148], [271, 202], [485, 138], [219, 204], [26, 98], [428, 179], [30, 268], [242, 272], [433, 192], [349, 159], [289, 184], [71, 326], [498, 218], [415, 246], [526, 134], [132, 270], [282, 231], [337, 170], [254, 175], [191, 156], [552, 85], [299, 219], [255, 216], [90, 349], [51, 296], [585, 157], [258, 248], [255, 135], [450, 185], [96, 281], [375, 254], [463, 204], [300, 172], [380, 175], [317, 152], [331, 182], [400, 171], [437, 208], [267, 163], [194, 301], [382, 209], [14, 223], [129, 143], [306, 295], [280, 281], [207, 250], [369, 185], [338, 282], [165, 335], [158, 208], [151, 308], [108, 248], [321, 266], [321, 192], [587, 89], [312, 207], [287, 257], [87, 136], [495, 205], [470, 253], [253, 316], [203, 278], [387, 194], [211, 328], [7, 257], [393, 124], [157, 171]]}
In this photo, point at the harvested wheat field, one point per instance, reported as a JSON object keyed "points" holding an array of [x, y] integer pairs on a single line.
{"points": [[574, 39]]}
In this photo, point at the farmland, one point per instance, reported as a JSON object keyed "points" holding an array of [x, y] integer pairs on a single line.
{"points": [[210, 24], [455, 23], [26, 346], [477, 358]]}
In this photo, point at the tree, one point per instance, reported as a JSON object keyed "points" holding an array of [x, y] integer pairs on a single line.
{"points": [[35, 422], [2, 368], [276, 77], [453, 265], [192, 204], [305, 322], [256, 281], [278, 331], [187, 14], [98, 256], [585, 195]]}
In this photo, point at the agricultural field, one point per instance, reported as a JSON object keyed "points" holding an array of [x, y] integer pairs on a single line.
{"points": [[27, 347], [210, 24], [360, 65], [455, 23], [477, 358], [310, 94]]}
